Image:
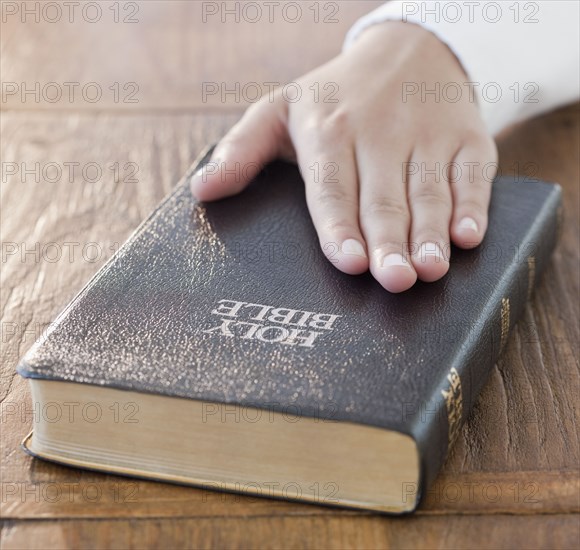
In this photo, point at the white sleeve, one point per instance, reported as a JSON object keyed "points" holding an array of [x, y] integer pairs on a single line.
{"points": [[523, 57]]}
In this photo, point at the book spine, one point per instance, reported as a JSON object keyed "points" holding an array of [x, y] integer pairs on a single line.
{"points": [[438, 426]]}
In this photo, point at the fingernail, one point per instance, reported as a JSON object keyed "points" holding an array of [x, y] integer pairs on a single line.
{"points": [[353, 247], [433, 250], [468, 223], [395, 260], [211, 167], [195, 178], [198, 176]]}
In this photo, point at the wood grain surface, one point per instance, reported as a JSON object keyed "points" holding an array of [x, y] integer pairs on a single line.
{"points": [[513, 478]]}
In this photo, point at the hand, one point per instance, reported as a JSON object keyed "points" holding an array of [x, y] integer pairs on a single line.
{"points": [[379, 184]]}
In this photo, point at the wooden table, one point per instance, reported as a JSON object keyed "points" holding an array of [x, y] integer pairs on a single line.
{"points": [[513, 478]]}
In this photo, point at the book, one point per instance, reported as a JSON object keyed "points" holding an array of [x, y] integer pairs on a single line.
{"points": [[220, 348]]}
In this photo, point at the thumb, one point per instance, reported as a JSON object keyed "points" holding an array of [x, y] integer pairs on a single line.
{"points": [[258, 138]]}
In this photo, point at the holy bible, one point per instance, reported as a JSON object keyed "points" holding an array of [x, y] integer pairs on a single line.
{"points": [[220, 348]]}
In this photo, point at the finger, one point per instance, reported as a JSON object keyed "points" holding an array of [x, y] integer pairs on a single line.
{"points": [[385, 217], [327, 165], [473, 170], [430, 202], [258, 138]]}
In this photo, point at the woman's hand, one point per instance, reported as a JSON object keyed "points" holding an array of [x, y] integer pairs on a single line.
{"points": [[391, 173]]}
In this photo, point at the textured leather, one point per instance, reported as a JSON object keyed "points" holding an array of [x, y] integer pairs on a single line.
{"points": [[139, 324]]}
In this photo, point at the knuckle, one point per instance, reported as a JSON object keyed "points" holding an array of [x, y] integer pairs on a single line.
{"points": [[484, 144], [265, 103], [338, 224], [232, 138], [430, 135], [332, 127], [386, 207], [430, 195], [337, 120], [325, 192], [475, 180]]}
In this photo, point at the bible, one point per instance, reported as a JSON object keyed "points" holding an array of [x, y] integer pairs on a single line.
{"points": [[220, 348]]}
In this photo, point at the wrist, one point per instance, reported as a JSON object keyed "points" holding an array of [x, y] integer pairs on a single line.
{"points": [[410, 39]]}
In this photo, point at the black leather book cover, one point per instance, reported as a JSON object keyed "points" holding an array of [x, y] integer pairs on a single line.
{"points": [[198, 304]]}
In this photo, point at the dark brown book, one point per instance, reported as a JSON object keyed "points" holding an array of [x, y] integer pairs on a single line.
{"points": [[220, 348]]}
